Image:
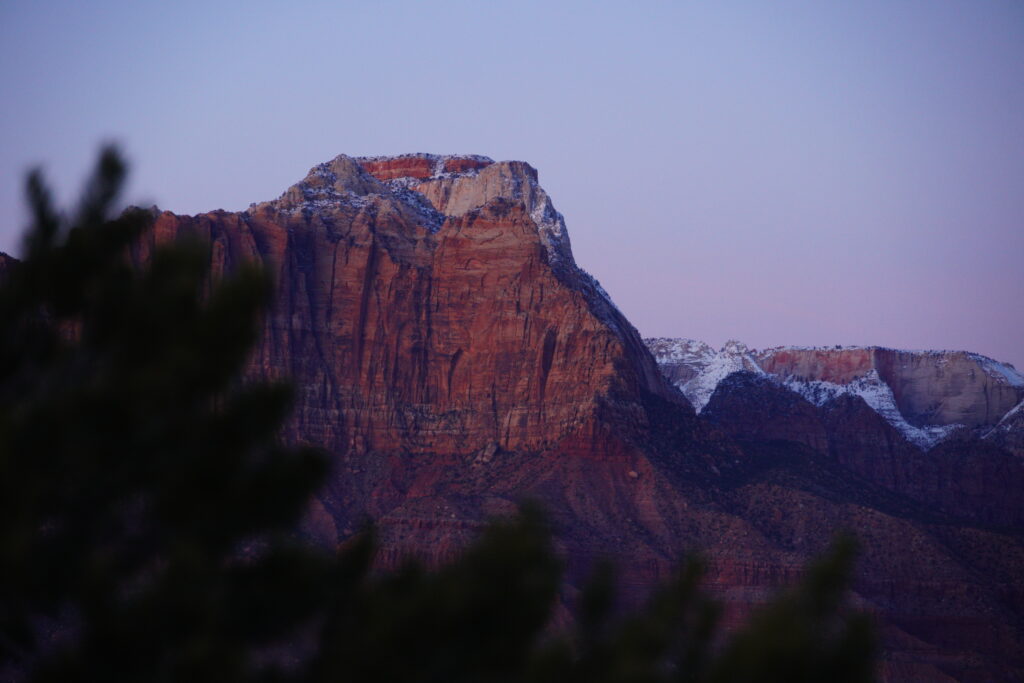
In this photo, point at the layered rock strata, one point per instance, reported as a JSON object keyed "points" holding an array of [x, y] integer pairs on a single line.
{"points": [[431, 312]]}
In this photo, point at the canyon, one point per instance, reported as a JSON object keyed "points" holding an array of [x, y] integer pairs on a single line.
{"points": [[454, 359]]}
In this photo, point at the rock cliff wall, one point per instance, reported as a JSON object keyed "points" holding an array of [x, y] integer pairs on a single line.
{"points": [[430, 314]]}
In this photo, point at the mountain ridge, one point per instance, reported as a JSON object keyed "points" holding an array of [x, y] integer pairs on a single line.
{"points": [[822, 373]]}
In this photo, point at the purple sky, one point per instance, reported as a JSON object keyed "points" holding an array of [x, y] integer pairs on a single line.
{"points": [[776, 172]]}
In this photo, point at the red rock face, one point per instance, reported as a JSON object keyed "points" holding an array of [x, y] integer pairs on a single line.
{"points": [[449, 354], [400, 167], [463, 164], [420, 166], [438, 342], [837, 366]]}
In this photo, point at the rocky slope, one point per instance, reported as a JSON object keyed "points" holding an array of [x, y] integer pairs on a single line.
{"points": [[964, 477], [750, 406], [454, 359]]}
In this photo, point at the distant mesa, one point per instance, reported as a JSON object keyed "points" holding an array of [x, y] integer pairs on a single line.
{"points": [[926, 395]]}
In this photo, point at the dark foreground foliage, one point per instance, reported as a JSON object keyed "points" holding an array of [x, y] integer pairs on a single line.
{"points": [[147, 509]]}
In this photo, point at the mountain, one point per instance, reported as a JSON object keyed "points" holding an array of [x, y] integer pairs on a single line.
{"points": [[454, 359], [447, 327], [926, 395]]}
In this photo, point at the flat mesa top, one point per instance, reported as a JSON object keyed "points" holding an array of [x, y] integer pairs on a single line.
{"points": [[422, 166]]}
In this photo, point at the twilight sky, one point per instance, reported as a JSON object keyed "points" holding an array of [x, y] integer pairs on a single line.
{"points": [[776, 172]]}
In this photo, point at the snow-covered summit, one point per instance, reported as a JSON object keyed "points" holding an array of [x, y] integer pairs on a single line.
{"points": [[343, 183], [456, 184], [428, 189]]}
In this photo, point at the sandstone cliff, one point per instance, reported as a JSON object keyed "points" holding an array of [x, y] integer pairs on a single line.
{"points": [[449, 320]]}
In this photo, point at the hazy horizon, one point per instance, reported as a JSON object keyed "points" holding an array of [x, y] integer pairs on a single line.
{"points": [[787, 174]]}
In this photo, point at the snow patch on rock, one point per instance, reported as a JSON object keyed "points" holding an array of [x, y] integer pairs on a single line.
{"points": [[711, 366], [342, 183], [1000, 371], [551, 227], [1008, 421], [877, 394]]}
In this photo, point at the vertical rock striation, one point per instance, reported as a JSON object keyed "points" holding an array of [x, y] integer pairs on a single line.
{"points": [[431, 305]]}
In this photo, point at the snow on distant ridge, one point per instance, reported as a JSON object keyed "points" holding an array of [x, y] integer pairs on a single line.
{"points": [[710, 366], [700, 369], [877, 394]]}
